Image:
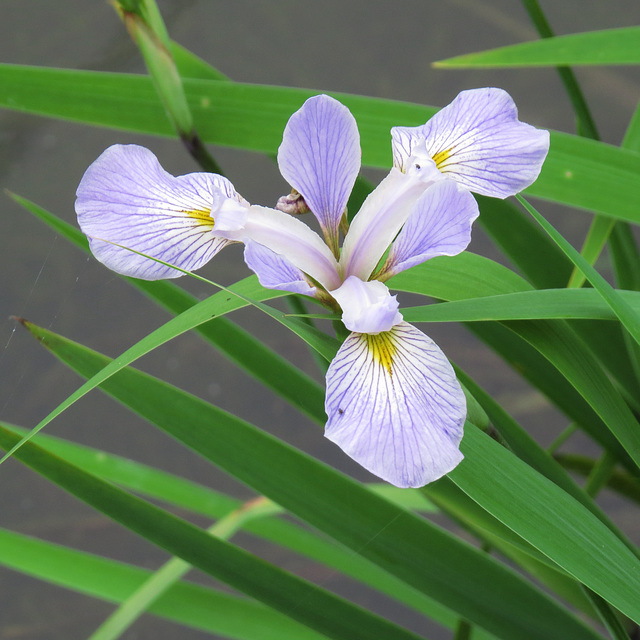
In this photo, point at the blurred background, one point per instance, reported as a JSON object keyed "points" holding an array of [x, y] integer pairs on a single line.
{"points": [[375, 48]]}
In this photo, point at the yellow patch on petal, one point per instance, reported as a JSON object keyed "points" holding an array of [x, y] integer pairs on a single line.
{"points": [[382, 348], [203, 216], [441, 157]]}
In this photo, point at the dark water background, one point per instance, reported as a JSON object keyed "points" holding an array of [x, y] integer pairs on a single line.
{"points": [[377, 48]]}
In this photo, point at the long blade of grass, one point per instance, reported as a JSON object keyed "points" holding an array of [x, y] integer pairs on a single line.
{"points": [[408, 547], [603, 47], [626, 314], [579, 172], [297, 598], [185, 603]]}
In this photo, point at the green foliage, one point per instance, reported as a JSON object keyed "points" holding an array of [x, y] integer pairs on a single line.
{"points": [[578, 346]]}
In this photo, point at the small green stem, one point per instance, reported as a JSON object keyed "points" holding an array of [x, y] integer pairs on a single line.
{"points": [[619, 481], [562, 438], [199, 153], [600, 474], [585, 123], [464, 630]]}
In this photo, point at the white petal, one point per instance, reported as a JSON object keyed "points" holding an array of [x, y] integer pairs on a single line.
{"points": [[377, 223], [293, 239], [395, 406], [439, 225], [367, 307]]}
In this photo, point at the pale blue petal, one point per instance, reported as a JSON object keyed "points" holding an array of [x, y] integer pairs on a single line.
{"points": [[478, 141], [395, 406], [320, 157], [126, 198], [289, 237], [367, 307], [274, 271], [439, 225]]}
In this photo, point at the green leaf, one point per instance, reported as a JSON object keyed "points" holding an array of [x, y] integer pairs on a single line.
{"points": [[620, 481], [185, 603], [150, 482], [578, 172], [496, 535], [302, 601], [408, 547], [542, 304], [627, 315], [549, 519], [530, 452], [524, 243], [234, 297], [174, 570], [605, 47], [172, 489]]}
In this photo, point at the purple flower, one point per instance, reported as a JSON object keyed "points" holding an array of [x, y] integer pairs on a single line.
{"points": [[393, 401]]}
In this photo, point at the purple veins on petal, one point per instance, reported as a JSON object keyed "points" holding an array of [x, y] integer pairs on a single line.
{"points": [[479, 141], [274, 271], [439, 225], [126, 198], [395, 406], [320, 158]]}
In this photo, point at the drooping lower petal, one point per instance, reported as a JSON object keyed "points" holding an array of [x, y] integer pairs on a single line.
{"points": [[274, 271], [478, 141], [439, 225], [320, 157], [126, 198], [395, 406]]}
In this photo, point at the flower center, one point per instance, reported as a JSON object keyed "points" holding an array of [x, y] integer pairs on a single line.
{"points": [[441, 157], [382, 349], [202, 216]]}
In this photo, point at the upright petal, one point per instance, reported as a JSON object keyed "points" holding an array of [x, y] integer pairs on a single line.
{"points": [[274, 271], [395, 406], [479, 141], [439, 225], [125, 197], [320, 157]]}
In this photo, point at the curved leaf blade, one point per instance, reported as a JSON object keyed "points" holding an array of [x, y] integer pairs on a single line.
{"points": [[408, 547], [297, 598], [604, 47], [579, 172]]}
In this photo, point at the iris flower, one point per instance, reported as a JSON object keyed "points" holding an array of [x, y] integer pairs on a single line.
{"points": [[393, 401]]}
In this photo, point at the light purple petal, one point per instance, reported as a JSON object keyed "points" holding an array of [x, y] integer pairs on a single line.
{"points": [[367, 307], [293, 239], [125, 197], [320, 157], [274, 271], [478, 141], [395, 406], [439, 225]]}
